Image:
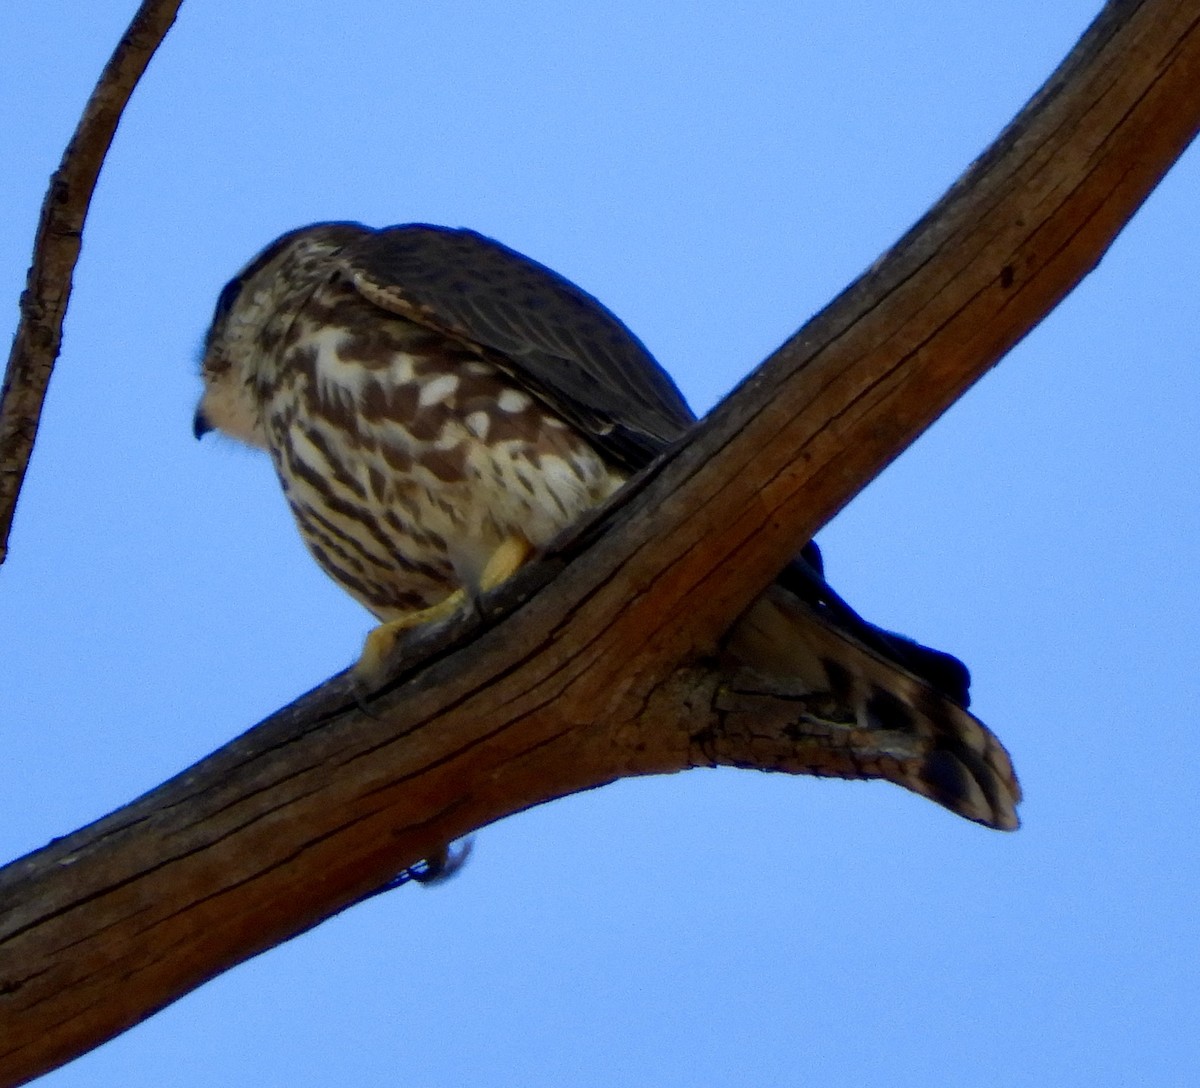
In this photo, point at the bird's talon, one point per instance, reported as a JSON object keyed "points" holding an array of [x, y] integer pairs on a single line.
{"points": [[380, 645]]}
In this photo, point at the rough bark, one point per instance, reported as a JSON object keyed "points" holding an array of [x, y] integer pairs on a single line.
{"points": [[56, 250], [599, 663]]}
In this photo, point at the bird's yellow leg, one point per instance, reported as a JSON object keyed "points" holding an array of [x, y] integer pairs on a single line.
{"points": [[503, 563], [382, 640]]}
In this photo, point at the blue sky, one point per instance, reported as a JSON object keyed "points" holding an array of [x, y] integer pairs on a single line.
{"points": [[714, 173]]}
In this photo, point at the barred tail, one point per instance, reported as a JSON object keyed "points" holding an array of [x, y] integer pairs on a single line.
{"points": [[896, 726]]}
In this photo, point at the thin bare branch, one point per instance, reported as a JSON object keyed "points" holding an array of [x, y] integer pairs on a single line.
{"points": [[56, 250], [597, 665]]}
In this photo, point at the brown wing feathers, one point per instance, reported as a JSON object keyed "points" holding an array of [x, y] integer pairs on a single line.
{"points": [[554, 338], [908, 702]]}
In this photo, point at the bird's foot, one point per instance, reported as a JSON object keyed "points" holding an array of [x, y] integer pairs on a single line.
{"points": [[381, 642], [504, 562], [380, 645]]}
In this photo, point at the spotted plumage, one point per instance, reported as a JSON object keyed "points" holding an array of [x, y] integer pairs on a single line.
{"points": [[407, 457], [438, 408]]}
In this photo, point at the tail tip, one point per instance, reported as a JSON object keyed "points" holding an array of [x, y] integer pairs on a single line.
{"points": [[981, 795]]}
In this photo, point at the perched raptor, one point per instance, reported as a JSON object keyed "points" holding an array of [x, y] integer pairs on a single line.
{"points": [[438, 408]]}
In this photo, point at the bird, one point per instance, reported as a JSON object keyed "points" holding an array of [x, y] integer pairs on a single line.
{"points": [[439, 408]]}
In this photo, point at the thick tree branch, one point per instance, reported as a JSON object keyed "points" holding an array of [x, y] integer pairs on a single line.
{"points": [[609, 670], [56, 250]]}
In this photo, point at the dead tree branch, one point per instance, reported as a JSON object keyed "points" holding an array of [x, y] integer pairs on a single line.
{"points": [[56, 250], [599, 662]]}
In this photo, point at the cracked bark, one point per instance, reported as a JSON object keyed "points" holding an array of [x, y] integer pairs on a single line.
{"points": [[601, 662], [56, 249]]}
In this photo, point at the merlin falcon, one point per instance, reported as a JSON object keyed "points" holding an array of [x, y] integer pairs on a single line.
{"points": [[439, 408]]}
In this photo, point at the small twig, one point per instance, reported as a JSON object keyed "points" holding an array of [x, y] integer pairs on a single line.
{"points": [[56, 250]]}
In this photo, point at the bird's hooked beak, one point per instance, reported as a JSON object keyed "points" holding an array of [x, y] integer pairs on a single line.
{"points": [[200, 424]]}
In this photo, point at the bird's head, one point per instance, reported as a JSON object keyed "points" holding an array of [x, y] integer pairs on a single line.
{"points": [[250, 324]]}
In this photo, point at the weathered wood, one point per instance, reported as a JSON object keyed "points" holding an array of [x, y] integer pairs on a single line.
{"points": [[56, 249], [605, 671]]}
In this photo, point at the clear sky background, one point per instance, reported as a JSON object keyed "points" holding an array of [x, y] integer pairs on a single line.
{"points": [[715, 173]]}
